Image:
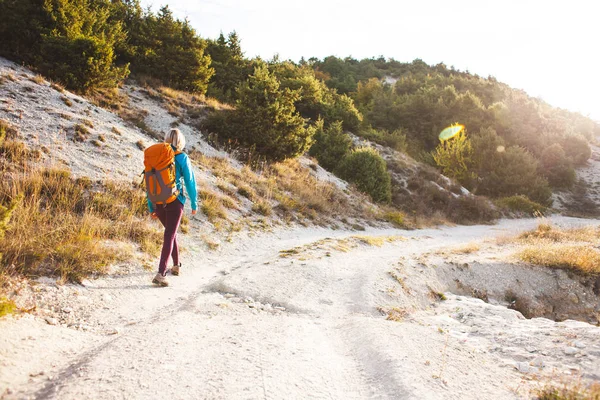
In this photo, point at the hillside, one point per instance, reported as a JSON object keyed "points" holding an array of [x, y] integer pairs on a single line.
{"points": [[286, 268]]}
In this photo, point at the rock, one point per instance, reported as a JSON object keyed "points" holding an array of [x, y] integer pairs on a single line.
{"points": [[279, 308], [114, 331], [229, 295], [268, 307], [572, 297], [579, 344], [67, 310], [523, 367], [107, 297], [538, 362], [51, 321], [531, 349], [571, 351]]}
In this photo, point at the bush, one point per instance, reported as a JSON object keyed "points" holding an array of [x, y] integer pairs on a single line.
{"points": [[454, 157], [395, 217], [471, 210], [557, 168], [80, 64], [366, 169], [396, 139], [265, 119], [331, 145], [577, 149], [520, 203], [513, 172]]}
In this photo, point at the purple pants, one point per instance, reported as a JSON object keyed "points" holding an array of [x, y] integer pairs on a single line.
{"points": [[170, 216]]}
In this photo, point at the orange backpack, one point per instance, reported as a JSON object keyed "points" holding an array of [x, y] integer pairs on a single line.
{"points": [[159, 173]]}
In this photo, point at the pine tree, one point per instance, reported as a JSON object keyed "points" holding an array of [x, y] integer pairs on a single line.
{"points": [[330, 145], [266, 120]]}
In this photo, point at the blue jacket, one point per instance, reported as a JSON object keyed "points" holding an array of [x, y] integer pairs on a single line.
{"points": [[183, 169]]}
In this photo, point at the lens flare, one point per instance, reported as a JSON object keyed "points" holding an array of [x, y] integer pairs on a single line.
{"points": [[451, 131]]}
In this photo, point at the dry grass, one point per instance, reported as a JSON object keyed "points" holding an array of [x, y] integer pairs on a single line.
{"points": [[14, 154], [8, 76], [191, 101], [61, 226], [396, 314], [109, 98], [37, 79], [579, 258], [67, 102], [587, 234], [212, 206], [570, 391], [263, 208], [468, 248], [377, 241], [553, 247], [81, 133], [57, 86]]}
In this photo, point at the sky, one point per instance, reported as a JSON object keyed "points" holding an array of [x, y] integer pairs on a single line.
{"points": [[547, 48]]}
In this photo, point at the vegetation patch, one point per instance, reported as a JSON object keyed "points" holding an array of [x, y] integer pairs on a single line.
{"points": [[7, 307], [572, 249], [62, 226], [579, 258], [521, 204], [81, 133], [67, 101], [569, 391]]}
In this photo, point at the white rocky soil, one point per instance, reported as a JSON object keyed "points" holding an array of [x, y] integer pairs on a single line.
{"points": [[291, 313], [296, 313]]}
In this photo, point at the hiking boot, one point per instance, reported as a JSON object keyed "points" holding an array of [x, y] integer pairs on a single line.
{"points": [[175, 269], [160, 280]]}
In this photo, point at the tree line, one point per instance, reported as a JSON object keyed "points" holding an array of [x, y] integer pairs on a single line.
{"points": [[514, 144]]}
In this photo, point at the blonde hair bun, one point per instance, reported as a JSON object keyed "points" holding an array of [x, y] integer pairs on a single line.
{"points": [[176, 138]]}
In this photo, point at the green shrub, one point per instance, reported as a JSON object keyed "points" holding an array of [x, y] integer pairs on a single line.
{"points": [[365, 168], [520, 203], [454, 157], [81, 63], [471, 210], [331, 145], [396, 139], [7, 307], [395, 217], [265, 119], [577, 149], [557, 167]]}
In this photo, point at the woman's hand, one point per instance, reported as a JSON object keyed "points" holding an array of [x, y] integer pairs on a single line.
{"points": [[153, 215], [194, 212]]}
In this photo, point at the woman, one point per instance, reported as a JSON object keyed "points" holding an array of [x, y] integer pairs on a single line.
{"points": [[170, 214]]}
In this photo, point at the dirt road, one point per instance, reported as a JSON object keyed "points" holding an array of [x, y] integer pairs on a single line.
{"points": [[294, 314]]}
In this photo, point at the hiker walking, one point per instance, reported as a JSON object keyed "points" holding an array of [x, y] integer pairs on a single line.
{"points": [[165, 166]]}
